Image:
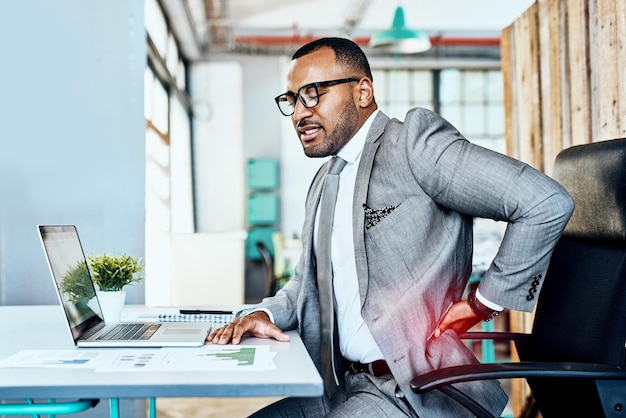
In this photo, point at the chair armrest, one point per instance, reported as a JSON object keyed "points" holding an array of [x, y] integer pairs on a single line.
{"points": [[455, 374], [491, 335], [496, 336]]}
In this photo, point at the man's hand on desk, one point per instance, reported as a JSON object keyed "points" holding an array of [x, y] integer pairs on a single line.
{"points": [[257, 324]]}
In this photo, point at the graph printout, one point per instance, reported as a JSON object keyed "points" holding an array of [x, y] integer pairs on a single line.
{"points": [[207, 358]]}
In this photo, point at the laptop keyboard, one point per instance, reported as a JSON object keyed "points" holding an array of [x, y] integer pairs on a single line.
{"points": [[130, 332]]}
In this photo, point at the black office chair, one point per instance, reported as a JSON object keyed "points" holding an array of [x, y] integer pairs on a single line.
{"points": [[271, 284], [575, 358]]}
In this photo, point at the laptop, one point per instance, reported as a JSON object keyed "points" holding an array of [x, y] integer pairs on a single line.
{"points": [[66, 259]]}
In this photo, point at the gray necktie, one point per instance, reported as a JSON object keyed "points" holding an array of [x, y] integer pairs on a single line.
{"points": [[325, 272]]}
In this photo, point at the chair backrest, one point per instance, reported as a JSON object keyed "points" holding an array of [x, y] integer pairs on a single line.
{"points": [[581, 311]]}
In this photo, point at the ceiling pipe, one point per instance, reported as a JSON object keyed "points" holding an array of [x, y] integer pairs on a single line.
{"points": [[297, 40]]}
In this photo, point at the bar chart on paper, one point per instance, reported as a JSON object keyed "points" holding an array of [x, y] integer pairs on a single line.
{"points": [[243, 356], [207, 358], [218, 357]]}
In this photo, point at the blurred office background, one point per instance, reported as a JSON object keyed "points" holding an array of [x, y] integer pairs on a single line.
{"points": [[151, 125]]}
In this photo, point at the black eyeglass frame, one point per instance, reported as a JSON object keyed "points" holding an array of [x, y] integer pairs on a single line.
{"points": [[284, 97]]}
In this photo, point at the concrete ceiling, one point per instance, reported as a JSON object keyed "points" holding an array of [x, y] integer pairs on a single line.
{"points": [[267, 26]]}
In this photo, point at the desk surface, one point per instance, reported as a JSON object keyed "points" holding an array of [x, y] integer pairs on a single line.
{"points": [[42, 327]]}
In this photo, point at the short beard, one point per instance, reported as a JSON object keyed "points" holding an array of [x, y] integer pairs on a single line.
{"points": [[344, 130]]}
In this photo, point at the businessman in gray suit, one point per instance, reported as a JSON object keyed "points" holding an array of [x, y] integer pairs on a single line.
{"points": [[400, 247]]}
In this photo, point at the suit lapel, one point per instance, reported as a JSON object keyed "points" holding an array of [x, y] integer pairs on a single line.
{"points": [[360, 197]]}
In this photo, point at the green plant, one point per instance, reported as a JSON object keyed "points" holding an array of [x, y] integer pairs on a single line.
{"points": [[76, 284], [113, 272]]}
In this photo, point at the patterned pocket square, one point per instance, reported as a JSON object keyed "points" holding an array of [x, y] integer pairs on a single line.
{"points": [[373, 216]]}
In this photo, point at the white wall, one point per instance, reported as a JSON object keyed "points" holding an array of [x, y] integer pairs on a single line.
{"points": [[218, 147], [72, 142]]}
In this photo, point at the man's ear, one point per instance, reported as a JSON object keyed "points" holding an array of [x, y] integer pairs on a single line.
{"points": [[366, 92]]}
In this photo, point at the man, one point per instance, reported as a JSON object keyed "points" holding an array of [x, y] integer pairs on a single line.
{"points": [[401, 245]]}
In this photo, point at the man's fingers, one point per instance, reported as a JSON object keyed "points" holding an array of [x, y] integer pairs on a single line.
{"points": [[459, 318], [238, 330], [220, 335], [258, 326], [276, 333]]}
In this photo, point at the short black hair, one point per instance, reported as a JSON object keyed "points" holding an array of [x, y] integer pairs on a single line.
{"points": [[347, 53]]}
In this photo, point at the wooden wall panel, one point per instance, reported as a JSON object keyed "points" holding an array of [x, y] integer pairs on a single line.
{"points": [[564, 74], [554, 100], [579, 89], [567, 83], [594, 68], [506, 45], [526, 78], [620, 50], [606, 94]]}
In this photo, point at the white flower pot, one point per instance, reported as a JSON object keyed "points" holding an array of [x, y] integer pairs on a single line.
{"points": [[112, 304]]}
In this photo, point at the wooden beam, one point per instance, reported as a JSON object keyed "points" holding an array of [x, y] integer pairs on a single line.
{"points": [[527, 82], [507, 65], [620, 51], [605, 103], [553, 79], [579, 72]]}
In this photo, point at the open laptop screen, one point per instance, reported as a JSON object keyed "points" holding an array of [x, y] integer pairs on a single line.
{"points": [[68, 266]]}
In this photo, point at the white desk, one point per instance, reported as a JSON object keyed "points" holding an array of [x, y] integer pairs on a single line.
{"points": [[42, 327]]}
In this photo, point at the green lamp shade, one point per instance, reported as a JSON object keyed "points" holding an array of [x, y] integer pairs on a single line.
{"points": [[399, 39]]}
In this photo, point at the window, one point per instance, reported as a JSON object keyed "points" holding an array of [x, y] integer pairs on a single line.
{"points": [[397, 91], [472, 100], [169, 186]]}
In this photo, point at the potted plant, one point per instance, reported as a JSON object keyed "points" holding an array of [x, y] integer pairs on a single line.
{"points": [[111, 273]]}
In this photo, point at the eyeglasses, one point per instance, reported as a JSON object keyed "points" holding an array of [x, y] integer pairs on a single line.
{"points": [[308, 94]]}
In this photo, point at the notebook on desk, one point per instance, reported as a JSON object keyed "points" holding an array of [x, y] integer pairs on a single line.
{"points": [[66, 259]]}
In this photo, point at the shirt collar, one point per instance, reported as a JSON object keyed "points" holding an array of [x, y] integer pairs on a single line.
{"points": [[351, 151]]}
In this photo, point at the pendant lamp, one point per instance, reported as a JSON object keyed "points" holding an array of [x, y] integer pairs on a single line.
{"points": [[399, 39]]}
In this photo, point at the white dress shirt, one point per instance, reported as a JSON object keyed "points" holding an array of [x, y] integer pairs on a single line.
{"points": [[355, 340]]}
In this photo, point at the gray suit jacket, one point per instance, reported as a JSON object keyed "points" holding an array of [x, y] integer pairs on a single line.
{"points": [[414, 258]]}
